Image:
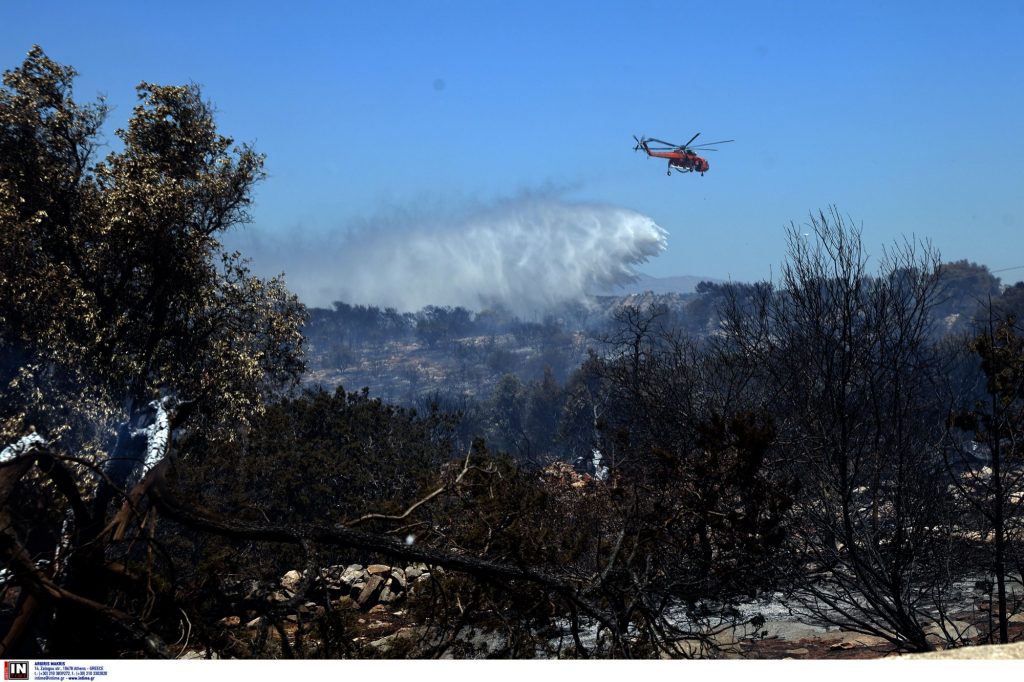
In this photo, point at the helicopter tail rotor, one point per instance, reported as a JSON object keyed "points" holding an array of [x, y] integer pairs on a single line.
{"points": [[639, 143]]}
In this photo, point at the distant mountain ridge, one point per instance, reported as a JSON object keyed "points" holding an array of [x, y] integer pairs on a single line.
{"points": [[681, 284]]}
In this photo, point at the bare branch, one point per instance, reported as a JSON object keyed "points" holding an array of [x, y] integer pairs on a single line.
{"points": [[398, 517]]}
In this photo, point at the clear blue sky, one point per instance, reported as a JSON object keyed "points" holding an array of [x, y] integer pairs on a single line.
{"points": [[907, 115]]}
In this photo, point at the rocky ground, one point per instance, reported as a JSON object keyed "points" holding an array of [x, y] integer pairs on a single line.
{"points": [[378, 606]]}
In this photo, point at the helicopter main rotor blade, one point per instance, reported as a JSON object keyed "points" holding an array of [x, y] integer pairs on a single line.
{"points": [[670, 144], [708, 144], [691, 140]]}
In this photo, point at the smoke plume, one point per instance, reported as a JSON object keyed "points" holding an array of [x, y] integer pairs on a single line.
{"points": [[527, 254]]}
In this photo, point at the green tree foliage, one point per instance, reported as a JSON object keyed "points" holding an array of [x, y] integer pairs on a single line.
{"points": [[114, 283], [115, 291]]}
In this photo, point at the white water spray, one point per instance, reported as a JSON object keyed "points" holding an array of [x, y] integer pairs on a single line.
{"points": [[526, 254]]}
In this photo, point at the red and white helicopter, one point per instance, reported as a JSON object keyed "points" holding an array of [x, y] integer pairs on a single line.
{"points": [[682, 157]]}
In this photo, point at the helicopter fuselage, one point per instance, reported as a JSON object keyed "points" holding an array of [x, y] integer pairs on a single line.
{"points": [[683, 160], [682, 157]]}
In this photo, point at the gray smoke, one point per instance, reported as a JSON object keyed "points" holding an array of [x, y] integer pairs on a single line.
{"points": [[527, 254]]}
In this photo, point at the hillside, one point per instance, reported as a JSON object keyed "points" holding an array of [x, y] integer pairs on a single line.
{"points": [[451, 351], [403, 357]]}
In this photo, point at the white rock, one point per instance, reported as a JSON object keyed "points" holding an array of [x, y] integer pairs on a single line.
{"points": [[290, 580], [353, 574], [387, 596]]}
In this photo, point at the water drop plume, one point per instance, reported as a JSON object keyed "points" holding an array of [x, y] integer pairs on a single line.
{"points": [[527, 254]]}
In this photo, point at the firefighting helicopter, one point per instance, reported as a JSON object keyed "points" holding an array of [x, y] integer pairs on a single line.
{"points": [[682, 157]]}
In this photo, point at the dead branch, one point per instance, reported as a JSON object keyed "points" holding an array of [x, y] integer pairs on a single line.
{"points": [[17, 558], [398, 517], [348, 537]]}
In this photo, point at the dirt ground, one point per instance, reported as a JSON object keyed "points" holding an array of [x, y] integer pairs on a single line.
{"points": [[369, 628], [837, 646]]}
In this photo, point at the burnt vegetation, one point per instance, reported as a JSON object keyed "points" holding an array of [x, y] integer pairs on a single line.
{"points": [[622, 478]]}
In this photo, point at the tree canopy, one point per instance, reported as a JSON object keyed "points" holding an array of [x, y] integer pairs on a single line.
{"points": [[114, 283], [120, 310]]}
